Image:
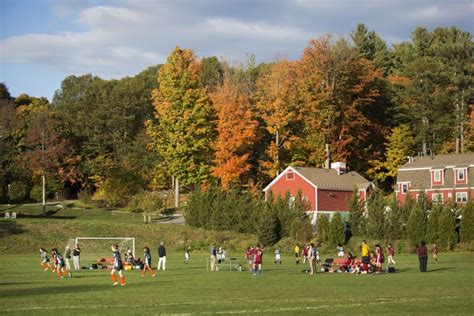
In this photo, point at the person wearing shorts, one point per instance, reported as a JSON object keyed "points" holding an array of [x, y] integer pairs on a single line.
{"points": [[258, 260], [117, 267], [45, 265], [147, 262], [297, 254]]}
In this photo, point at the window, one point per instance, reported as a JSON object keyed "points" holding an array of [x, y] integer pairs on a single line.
{"points": [[437, 198], [461, 197], [290, 175], [404, 188], [437, 175], [417, 197], [461, 174]]}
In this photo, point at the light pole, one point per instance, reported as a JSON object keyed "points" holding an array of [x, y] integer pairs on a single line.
{"points": [[9, 194]]}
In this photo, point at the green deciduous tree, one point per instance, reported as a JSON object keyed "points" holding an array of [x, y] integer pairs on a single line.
{"points": [[181, 131]]}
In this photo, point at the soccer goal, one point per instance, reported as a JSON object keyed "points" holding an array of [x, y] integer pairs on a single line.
{"points": [[93, 248]]}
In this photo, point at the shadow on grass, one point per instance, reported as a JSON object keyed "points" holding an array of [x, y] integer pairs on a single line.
{"points": [[8, 228], [440, 269], [49, 215]]}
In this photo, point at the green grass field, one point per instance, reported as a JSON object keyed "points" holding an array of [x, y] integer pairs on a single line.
{"points": [[282, 289], [189, 289]]}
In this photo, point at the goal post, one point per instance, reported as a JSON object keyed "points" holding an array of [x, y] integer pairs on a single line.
{"points": [[100, 246]]}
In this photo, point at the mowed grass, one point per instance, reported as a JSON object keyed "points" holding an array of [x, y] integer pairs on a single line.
{"points": [[282, 289]]}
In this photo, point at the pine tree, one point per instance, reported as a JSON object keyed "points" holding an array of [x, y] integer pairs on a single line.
{"points": [[355, 213], [416, 225], [269, 228], [376, 215], [394, 229], [447, 228], [323, 227], [432, 230], [467, 222], [336, 230]]}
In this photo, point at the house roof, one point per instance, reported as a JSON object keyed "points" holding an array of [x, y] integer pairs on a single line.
{"points": [[328, 179], [440, 161]]}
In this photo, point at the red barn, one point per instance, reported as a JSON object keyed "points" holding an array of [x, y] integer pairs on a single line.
{"points": [[327, 190], [442, 178]]}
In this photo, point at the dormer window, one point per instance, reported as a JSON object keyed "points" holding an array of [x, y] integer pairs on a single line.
{"points": [[461, 174], [404, 188], [290, 175], [437, 175]]}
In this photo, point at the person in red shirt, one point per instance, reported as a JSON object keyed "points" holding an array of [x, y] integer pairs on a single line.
{"points": [[305, 253], [435, 252], [391, 254], [378, 258], [258, 260], [249, 257]]}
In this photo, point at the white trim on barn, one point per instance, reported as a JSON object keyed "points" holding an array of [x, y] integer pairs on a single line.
{"points": [[282, 174]]}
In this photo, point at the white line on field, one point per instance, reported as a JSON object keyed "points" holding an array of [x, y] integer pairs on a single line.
{"points": [[379, 301]]}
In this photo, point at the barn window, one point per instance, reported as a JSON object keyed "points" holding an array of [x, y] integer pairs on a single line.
{"points": [[404, 188], [290, 175], [437, 175], [437, 198], [461, 197], [461, 174]]}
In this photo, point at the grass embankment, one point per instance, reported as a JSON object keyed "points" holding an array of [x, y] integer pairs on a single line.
{"points": [[26, 234]]}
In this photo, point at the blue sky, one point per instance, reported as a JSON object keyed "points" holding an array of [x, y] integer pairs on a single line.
{"points": [[43, 41]]}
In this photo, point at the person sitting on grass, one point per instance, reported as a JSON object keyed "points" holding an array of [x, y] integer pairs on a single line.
{"points": [[347, 265]]}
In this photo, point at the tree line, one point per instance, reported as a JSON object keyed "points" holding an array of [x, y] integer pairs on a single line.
{"points": [[195, 121]]}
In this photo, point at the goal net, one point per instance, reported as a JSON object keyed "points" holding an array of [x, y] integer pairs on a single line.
{"points": [[94, 248]]}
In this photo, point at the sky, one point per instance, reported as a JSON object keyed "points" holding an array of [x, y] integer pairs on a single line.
{"points": [[44, 41]]}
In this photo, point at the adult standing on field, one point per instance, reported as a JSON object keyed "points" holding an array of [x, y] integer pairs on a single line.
{"points": [[213, 254], [161, 257], [67, 257], [76, 257], [423, 257]]}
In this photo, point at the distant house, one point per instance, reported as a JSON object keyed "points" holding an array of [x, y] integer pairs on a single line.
{"points": [[326, 190], [442, 178]]}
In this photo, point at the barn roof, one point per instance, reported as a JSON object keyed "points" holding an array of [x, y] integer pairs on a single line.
{"points": [[328, 179]]}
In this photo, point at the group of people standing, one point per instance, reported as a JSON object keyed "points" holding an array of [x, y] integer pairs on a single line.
{"points": [[61, 264], [254, 257]]}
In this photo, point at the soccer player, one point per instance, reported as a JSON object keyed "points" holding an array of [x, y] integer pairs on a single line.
{"points": [[297, 254], [249, 257], [45, 265], [118, 266], [435, 252], [277, 255], [379, 258], [147, 262], [60, 265], [391, 254], [187, 254], [258, 260]]}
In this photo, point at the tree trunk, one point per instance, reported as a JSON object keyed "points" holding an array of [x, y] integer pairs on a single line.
{"points": [[176, 193], [276, 158], [44, 195]]}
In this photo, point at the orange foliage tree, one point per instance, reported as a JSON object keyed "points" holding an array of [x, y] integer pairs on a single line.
{"points": [[236, 132]]}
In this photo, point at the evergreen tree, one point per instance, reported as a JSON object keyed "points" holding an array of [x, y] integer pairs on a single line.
{"points": [[467, 222], [336, 230], [405, 212], [376, 215], [323, 227], [432, 230], [394, 229], [355, 213], [301, 228], [269, 228], [447, 228], [416, 225]]}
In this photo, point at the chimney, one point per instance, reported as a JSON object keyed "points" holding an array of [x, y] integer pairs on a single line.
{"points": [[340, 167], [328, 157]]}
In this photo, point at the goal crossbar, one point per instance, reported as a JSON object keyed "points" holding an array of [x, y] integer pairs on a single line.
{"points": [[108, 238]]}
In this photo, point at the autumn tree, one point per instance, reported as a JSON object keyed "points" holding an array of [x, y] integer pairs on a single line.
{"points": [[340, 92], [181, 131], [278, 103], [399, 146], [236, 132]]}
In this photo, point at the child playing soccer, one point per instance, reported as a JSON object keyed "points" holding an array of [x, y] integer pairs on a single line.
{"points": [[258, 259], [147, 262], [187, 255], [60, 265], [277, 255], [45, 265], [118, 266]]}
